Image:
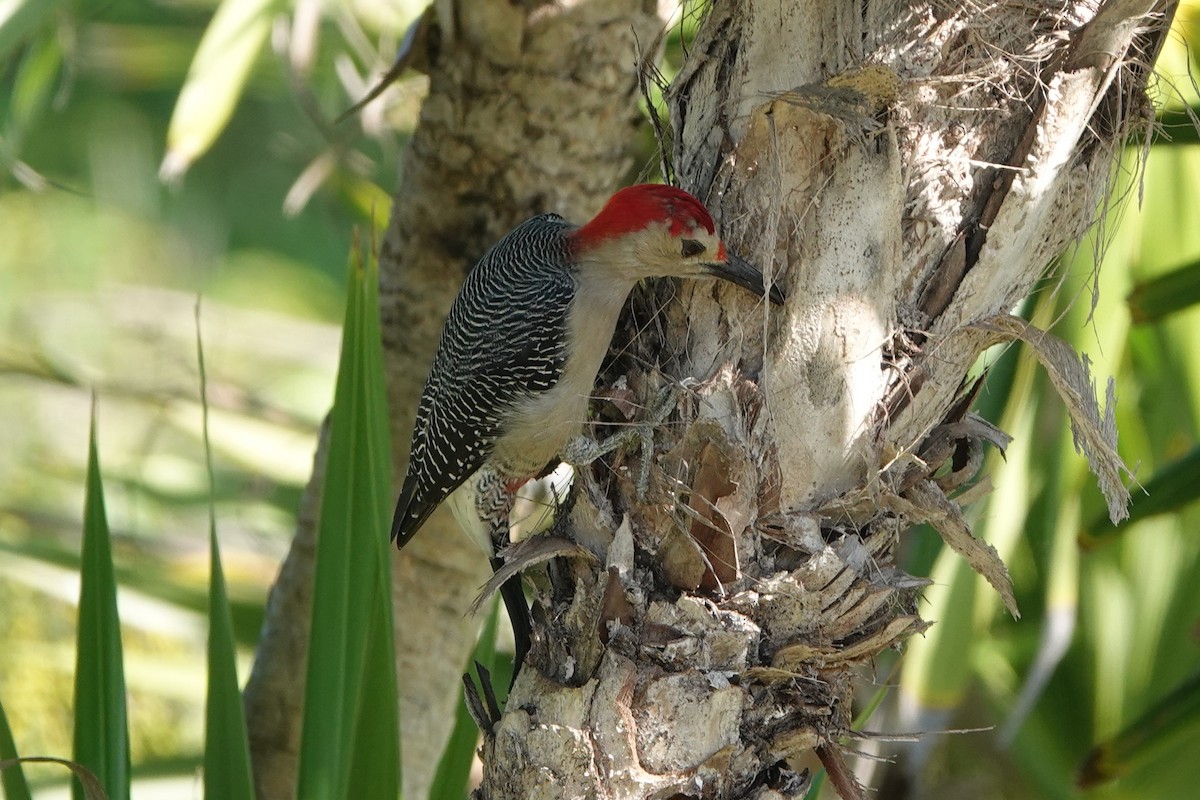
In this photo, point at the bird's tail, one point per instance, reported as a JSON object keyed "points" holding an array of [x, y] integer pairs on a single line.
{"points": [[410, 515]]}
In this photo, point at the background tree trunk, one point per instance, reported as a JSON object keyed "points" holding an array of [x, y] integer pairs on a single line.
{"points": [[906, 171], [532, 107]]}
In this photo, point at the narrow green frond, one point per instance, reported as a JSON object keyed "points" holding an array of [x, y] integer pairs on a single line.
{"points": [[12, 777], [1173, 487], [101, 727], [350, 744], [1172, 718], [227, 772], [1165, 294], [454, 770]]}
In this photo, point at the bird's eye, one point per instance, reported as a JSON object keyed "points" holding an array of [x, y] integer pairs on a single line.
{"points": [[692, 248]]}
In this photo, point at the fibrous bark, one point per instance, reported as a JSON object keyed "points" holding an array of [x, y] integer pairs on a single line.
{"points": [[906, 171]]}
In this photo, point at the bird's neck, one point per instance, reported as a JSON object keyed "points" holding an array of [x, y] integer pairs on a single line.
{"points": [[610, 261]]}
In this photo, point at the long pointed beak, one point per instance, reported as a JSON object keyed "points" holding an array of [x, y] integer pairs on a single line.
{"points": [[736, 270]]}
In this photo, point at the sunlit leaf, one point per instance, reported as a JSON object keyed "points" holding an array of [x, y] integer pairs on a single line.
{"points": [[19, 17], [350, 743], [34, 84], [101, 729], [369, 201], [216, 79]]}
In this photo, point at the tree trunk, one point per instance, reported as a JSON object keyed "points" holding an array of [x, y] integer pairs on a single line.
{"points": [[532, 107], [906, 171]]}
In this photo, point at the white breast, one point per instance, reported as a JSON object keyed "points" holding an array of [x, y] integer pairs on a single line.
{"points": [[537, 432]]}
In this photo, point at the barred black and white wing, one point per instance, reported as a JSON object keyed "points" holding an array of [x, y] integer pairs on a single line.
{"points": [[504, 340]]}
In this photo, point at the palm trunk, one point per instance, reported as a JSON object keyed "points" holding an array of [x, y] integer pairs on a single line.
{"points": [[907, 171]]}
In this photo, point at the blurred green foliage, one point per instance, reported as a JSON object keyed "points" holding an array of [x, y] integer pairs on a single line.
{"points": [[100, 262], [1111, 629], [100, 265]]}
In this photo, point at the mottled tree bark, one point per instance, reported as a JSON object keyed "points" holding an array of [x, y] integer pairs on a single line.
{"points": [[906, 171], [532, 107]]}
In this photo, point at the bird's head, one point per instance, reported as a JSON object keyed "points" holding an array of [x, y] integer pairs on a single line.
{"points": [[650, 230]]}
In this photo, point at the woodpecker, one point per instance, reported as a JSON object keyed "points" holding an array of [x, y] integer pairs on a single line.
{"points": [[508, 392]]}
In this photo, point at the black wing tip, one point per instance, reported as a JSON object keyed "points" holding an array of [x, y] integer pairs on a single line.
{"points": [[406, 522], [409, 516]]}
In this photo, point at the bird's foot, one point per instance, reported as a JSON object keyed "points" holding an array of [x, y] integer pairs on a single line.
{"points": [[582, 450]]}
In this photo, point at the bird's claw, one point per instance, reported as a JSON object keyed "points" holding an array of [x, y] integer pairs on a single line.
{"points": [[582, 450]]}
